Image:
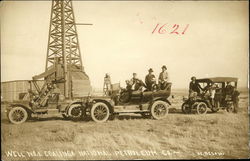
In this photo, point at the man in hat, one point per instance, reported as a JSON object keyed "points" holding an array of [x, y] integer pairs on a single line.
{"points": [[194, 86], [136, 83], [163, 78], [210, 89], [150, 80], [229, 88]]}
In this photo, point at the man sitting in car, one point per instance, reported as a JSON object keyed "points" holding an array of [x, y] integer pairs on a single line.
{"points": [[136, 84], [163, 80], [150, 80]]}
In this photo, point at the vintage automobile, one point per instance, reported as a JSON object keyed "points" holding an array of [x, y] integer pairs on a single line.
{"points": [[222, 99], [99, 108], [147, 103]]}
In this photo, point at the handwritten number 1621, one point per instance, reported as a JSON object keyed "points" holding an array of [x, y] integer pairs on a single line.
{"points": [[174, 29]]}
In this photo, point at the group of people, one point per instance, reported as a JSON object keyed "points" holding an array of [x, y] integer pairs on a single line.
{"points": [[150, 81], [210, 89]]}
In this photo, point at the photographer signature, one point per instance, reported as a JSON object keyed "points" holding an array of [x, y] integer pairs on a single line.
{"points": [[209, 153]]}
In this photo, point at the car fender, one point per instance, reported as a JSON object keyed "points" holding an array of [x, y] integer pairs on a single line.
{"points": [[26, 107], [205, 101], [73, 103], [110, 103]]}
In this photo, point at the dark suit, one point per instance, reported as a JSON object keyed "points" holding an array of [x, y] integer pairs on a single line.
{"points": [[149, 81], [195, 87]]}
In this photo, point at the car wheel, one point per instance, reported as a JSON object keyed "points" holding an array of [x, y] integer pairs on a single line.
{"points": [[159, 110], [185, 108], [201, 108], [17, 115], [76, 112], [99, 112]]}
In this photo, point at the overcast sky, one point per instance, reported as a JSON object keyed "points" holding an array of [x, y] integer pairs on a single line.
{"points": [[121, 42]]}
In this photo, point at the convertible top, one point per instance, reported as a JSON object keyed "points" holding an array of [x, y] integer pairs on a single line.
{"points": [[218, 79]]}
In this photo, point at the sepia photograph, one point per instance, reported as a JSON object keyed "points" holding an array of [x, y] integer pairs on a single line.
{"points": [[124, 80]]}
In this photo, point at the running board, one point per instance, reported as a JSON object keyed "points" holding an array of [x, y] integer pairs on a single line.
{"points": [[37, 111], [131, 111], [131, 108]]}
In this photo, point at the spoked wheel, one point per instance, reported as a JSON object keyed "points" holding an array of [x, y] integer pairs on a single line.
{"points": [[17, 115], [201, 108], [185, 108], [230, 107], [159, 110], [99, 112], [76, 112]]}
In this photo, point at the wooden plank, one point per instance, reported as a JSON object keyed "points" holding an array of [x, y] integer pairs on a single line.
{"points": [[79, 76], [81, 88]]}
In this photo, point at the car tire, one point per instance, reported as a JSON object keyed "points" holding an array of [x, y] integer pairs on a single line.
{"points": [[17, 115], [100, 112], [76, 112], [159, 109], [185, 108], [201, 108]]}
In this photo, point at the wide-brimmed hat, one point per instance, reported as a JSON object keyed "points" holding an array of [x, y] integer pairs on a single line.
{"points": [[193, 77], [164, 66], [150, 70]]}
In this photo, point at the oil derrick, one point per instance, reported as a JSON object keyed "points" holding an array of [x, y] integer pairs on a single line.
{"points": [[63, 63], [63, 39]]}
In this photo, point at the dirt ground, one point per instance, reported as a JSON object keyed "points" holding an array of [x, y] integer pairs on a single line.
{"points": [[179, 136]]}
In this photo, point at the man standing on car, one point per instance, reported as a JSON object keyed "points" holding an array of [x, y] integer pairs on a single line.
{"points": [[163, 78], [194, 86], [150, 79]]}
